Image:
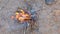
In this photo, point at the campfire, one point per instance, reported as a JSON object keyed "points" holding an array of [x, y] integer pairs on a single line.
{"points": [[23, 16]]}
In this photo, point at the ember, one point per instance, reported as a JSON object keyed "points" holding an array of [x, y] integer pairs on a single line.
{"points": [[21, 15]]}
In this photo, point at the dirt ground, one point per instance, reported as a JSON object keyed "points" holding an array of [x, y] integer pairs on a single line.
{"points": [[48, 17]]}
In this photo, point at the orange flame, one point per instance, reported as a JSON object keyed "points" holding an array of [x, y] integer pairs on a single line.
{"points": [[22, 16]]}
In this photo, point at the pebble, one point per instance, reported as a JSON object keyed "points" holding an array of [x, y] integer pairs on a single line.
{"points": [[49, 2]]}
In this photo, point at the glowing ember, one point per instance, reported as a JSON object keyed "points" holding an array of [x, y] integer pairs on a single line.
{"points": [[22, 16]]}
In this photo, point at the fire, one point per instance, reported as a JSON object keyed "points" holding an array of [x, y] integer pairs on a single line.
{"points": [[22, 16]]}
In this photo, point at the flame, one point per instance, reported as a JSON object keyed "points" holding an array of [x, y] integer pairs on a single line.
{"points": [[17, 13], [22, 11], [22, 16]]}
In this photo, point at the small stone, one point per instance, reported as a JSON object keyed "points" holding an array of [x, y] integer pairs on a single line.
{"points": [[33, 12], [49, 2]]}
